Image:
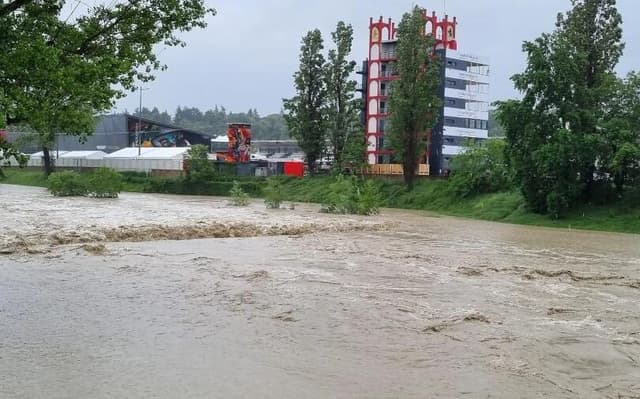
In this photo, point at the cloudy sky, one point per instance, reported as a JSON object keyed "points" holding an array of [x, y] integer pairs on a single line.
{"points": [[247, 55]]}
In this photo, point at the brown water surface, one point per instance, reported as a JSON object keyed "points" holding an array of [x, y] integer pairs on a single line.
{"points": [[97, 300]]}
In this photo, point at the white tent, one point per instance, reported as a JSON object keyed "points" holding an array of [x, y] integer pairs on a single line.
{"points": [[150, 153], [80, 159], [145, 159], [36, 159], [70, 159], [82, 155]]}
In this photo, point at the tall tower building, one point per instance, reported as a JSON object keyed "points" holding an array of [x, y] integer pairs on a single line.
{"points": [[464, 92]]}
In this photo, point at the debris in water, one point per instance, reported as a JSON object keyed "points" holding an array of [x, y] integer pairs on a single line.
{"points": [[94, 249], [468, 271], [477, 317], [552, 311], [285, 316]]}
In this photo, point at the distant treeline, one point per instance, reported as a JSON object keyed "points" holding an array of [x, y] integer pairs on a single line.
{"points": [[269, 127], [214, 121]]}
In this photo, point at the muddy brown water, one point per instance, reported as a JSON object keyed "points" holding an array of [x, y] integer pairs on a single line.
{"points": [[114, 299]]}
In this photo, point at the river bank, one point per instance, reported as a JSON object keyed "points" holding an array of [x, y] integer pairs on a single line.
{"points": [[429, 195]]}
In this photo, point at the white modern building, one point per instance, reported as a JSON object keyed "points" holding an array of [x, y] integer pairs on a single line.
{"points": [[465, 111], [464, 91]]}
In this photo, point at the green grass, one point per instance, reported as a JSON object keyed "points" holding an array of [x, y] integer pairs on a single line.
{"points": [[24, 177], [428, 195]]}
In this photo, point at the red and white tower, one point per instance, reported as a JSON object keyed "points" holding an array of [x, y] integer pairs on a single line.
{"points": [[380, 74]]}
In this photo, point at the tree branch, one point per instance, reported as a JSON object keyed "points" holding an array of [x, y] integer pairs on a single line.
{"points": [[13, 6]]}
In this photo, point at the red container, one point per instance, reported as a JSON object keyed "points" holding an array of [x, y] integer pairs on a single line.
{"points": [[294, 168]]}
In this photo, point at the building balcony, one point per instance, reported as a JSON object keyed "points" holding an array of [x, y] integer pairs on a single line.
{"points": [[464, 132], [466, 76], [465, 114], [452, 150], [467, 57], [466, 95]]}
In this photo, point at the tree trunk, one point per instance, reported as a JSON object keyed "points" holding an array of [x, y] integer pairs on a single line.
{"points": [[48, 165], [410, 160], [619, 183], [409, 172], [589, 183]]}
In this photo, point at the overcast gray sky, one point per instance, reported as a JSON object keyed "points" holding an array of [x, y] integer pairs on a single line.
{"points": [[247, 55]]}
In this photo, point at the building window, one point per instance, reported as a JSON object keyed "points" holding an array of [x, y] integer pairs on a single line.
{"points": [[450, 121], [381, 125], [451, 102], [451, 63], [451, 83]]}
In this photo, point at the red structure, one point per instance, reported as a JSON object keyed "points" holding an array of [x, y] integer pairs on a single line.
{"points": [[292, 168], [239, 149], [380, 74]]}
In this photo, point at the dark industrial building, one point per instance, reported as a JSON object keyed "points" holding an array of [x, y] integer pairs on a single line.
{"points": [[114, 132]]}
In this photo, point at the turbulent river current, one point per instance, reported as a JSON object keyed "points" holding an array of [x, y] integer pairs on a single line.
{"points": [[158, 296]]}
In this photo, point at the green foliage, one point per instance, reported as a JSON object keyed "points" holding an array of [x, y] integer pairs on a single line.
{"points": [[9, 152], [100, 183], [414, 98], [66, 184], [348, 195], [104, 183], [200, 168], [273, 193], [91, 59], [481, 169], [368, 199], [343, 109], [574, 134], [238, 196], [305, 112], [495, 127]]}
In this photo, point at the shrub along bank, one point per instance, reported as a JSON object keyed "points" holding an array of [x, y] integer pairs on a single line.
{"points": [[439, 196]]}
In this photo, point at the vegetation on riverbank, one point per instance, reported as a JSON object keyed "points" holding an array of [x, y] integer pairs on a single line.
{"points": [[428, 195]]}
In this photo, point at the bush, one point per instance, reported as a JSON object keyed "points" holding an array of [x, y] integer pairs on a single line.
{"points": [[348, 195], [481, 170], [104, 183], [368, 199], [238, 196], [199, 168], [273, 193], [66, 184]]}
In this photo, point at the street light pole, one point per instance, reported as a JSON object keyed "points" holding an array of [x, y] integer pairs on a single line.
{"points": [[139, 120]]}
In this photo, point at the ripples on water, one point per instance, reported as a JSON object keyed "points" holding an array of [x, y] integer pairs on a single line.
{"points": [[306, 305]]}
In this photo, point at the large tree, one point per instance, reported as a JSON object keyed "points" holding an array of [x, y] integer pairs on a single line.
{"points": [[57, 72], [414, 101], [305, 113], [343, 109], [559, 134]]}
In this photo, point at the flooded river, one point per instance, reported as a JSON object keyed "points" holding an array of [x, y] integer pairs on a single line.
{"points": [[157, 296]]}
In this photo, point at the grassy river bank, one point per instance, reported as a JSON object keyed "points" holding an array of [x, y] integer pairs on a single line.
{"points": [[428, 195]]}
